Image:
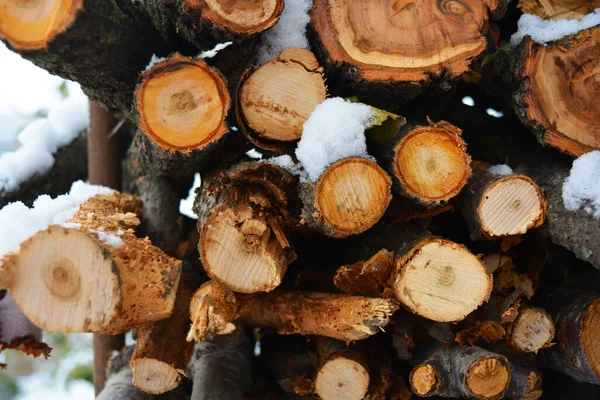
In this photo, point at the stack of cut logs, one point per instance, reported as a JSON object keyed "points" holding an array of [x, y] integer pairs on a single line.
{"points": [[429, 270]]}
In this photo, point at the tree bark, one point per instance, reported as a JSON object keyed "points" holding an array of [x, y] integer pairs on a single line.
{"points": [[129, 283], [524, 383], [350, 197], [276, 99], [348, 318]]}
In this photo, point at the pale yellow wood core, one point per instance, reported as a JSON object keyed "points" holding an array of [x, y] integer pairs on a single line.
{"points": [[424, 379], [488, 377], [342, 378], [590, 335], [154, 376], [63, 288], [442, 281], [432, 164], [242, 15], [510, 206], [182, 103], [533, 329], [278, 97], [227, 257], [32, 24]]}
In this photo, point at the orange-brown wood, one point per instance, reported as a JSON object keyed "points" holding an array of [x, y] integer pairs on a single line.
{"points": [[247, 17], [559, 9]]}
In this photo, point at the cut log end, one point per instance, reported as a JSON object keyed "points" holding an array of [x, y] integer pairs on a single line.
{"points": [[431, 164], [590, 334], [277, 98], [441, 280], [60, 278], [562, 93], [241, 17], [511, 206], [213, 309], [342, 378], [558, 9], [425, 380], [393, 40], [532, 330], [182, 104], [352, 195], [488, 377], [32, 25], [154, 376]]}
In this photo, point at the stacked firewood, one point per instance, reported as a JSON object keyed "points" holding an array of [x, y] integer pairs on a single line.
{"points": [[422, 265]]}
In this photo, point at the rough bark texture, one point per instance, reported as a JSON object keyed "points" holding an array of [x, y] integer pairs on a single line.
{"points": [[128, 284], [220, 368], [70, 164], [96, 47], [524, 383]]}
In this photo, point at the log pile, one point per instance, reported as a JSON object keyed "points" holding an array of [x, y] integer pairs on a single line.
{"points": [[433, 255]]}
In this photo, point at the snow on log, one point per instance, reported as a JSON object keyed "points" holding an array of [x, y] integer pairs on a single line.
{"points": [[87, 41], [83, 247], [498, 203], [391, 51], [214, 307], [243, 220], [181, 105], [276, 99]]}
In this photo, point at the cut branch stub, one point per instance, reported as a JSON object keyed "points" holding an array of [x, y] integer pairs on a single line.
{"points": [[502, 205], [350, 197], [400, 42], [275, 100], [243, 224], [559, 9], [74, 280], [240, 17], [430, 164], [181, 106], [558, 93], [532, 330]]}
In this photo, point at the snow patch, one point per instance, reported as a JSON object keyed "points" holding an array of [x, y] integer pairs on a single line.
{"points": [[24, 222], [468, 101], [582, 187], [501, 169], [544, 31], [14, 323], [290, 31], [109, 238], [288, 164], [334, 130], [186, 206], [153, 60], [214, 51]]}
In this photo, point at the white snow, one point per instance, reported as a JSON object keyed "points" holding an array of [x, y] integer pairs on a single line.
{"points": [[13, 323], [186, 206], [468, 101], [290, 31], [24, 222], [494, 113], [153, 60], [288, 164], [253, 153], [500, 169], [582, 187], [334, 130], [544, 31], [109, 238], [214, 51]]}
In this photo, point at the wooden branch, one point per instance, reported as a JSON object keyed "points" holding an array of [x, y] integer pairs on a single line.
{"points": [[559, 9], [524, 383], [429, 164], [87, 41], [129, 283], [350, 197], [347, 318], [502, 205], [551, 90], [276, 99], [390, 51], [181, 105]]}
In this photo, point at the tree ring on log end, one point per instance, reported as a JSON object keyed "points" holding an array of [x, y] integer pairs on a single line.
{"points": [[511, 206], [352, 195], [431, 164], [247, 17], [182, 104], [561, 96], [342, 378], [277, 98], [33, 24], [441, 280], [532, 330], [64, 281], [589, 335], [488, 377], [154, 376], [425, 380], [402, 40]]}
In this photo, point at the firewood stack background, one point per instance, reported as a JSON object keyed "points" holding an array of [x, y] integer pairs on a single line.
{"points": [[400, 237]]}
